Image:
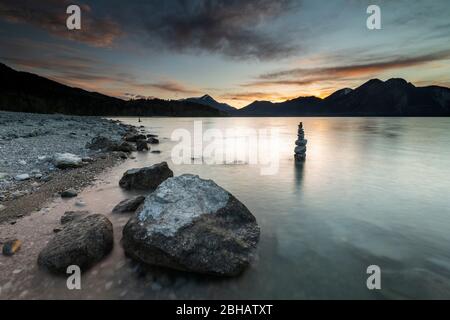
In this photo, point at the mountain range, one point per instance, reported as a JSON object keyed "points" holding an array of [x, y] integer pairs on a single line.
{"points": [[394, 97], [27, 92]]}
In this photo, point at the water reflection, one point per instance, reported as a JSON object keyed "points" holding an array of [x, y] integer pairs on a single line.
{"points": [[371, 191]]}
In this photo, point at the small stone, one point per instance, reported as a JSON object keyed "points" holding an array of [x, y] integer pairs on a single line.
{"points": [[129, 205], [152, 140], [148, 178], [131, 137], [66, 160], [22, 177], [11, 247], [108, 285], [142, 145], [3, 176], [156, 151], [80, 203], [70, 193]]}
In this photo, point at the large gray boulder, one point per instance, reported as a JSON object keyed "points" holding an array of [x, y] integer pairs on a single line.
{"points": [[82, 242], [194, 225], [148, 178]]}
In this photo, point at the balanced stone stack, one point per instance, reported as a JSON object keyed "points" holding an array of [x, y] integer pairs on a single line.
{"points": [[300, 144]]}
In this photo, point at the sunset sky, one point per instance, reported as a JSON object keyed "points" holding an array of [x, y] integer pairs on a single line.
{"points": [[236, 51]]}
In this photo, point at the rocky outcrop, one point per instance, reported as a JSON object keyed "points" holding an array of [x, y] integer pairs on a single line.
{"points": [[81, 242], [148, 178], [300, 144], [129, 205], [194, 225]]}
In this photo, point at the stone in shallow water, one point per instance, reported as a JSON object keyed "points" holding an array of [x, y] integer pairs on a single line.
{"points": [[81, 242], [142, 145], [148, 178], [129, 205], [192, 224]]}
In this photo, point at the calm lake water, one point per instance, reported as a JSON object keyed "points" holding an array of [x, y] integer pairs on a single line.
{"points": [[372, 191]]}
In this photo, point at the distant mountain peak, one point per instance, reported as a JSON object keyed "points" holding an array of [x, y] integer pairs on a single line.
{"points": [[207, 97], [210, 101]]}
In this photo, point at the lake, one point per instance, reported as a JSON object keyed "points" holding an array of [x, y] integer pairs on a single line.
{"points": [[372, 191]]}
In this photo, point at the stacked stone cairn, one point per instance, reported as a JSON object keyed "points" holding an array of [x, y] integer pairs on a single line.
{"points": [[300, 144]]}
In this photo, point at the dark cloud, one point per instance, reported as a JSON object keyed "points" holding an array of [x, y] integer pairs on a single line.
{"points": [[233, 28], [50, 15]]}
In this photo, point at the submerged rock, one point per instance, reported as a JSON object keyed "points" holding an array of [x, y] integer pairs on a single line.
{"points": [[152, 140], [192, 224], [11, 247], [81, 242], [67, 160], [142, 145], [148, 178], [129, 205]]}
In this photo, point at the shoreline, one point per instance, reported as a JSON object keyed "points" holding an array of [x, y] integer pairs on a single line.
{"points": [[78, 179], [59, 134]]}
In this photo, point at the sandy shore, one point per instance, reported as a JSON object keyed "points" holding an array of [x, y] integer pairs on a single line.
{"points": [[28, 142]]}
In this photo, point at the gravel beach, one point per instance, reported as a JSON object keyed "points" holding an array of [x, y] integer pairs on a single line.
{"points": [[29, 143]]}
